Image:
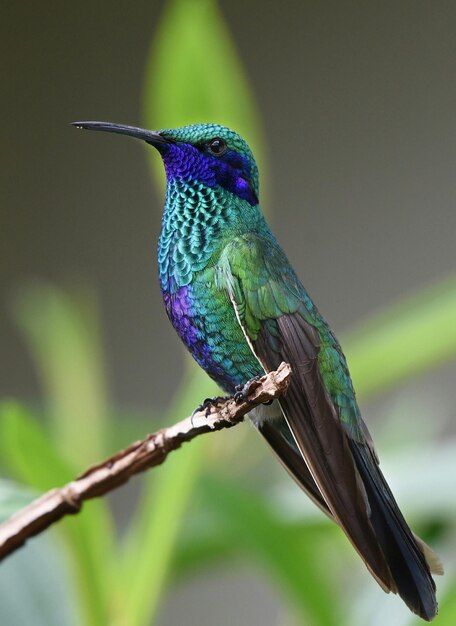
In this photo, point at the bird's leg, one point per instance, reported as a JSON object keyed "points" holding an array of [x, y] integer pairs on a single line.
{"points": [[242, 391], [209, 403]]}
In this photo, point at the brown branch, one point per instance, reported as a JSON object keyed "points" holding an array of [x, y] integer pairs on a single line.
{"points": [[139, 456]]}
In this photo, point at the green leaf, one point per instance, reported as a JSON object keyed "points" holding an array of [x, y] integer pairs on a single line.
{"points": [[194, 75], [292, 558], [196, 552], [30, 455], [35, 585], [90, 545], [153, 533], [447, 608], [63, 332], [27, 450], [408, 339]]}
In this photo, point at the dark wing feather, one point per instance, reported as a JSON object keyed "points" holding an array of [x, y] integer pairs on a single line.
{"points": [[279, 437], [348, 475], [402, 549], [281, 324], [385, 515], [312, 419]]}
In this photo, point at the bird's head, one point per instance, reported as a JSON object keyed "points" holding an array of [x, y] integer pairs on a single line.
{"points": [[201, 153]]}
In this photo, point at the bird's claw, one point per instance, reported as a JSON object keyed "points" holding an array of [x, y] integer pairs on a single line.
{"points": [[238, 397], [208, 404], [242, 391]]}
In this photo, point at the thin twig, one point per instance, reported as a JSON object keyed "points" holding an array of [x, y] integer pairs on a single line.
{"points": [[139, 456]]}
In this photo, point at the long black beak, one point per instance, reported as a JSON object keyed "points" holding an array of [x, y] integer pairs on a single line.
{"points": [[150, 136]]}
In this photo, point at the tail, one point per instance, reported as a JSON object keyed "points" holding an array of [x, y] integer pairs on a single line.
{"points": [[409, 559]]}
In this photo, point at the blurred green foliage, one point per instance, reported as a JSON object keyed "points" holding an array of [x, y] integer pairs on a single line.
{"points": [[234, 514]]}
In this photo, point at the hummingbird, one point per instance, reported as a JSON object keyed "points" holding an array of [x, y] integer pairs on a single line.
{"points": [[236, 302]]}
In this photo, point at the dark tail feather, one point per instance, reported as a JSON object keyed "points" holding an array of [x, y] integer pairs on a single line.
{"points": [[406, 560], [279, 437]]}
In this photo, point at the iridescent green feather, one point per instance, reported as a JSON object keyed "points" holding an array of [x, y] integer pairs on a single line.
{"points": [[274, 290]]}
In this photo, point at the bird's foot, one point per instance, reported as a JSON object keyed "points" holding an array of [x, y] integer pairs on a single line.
{"points": [[242, 391], [208, 404]]}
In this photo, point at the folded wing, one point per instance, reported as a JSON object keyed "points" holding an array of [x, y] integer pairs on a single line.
{"points": [[342, 475]]}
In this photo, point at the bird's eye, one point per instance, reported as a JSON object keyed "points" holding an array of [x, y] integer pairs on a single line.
{"points": [[217, 146]]}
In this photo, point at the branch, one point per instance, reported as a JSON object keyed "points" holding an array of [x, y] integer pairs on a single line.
{"points": [[139, 456]]}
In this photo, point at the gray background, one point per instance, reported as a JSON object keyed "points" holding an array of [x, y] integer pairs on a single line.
{"points": [[359, 103], [358, 99]]}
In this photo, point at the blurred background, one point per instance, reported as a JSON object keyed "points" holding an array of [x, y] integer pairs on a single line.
{"points": [[349, 109]]}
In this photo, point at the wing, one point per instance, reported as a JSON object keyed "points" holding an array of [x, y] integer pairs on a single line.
{"points": [[280, 438], [281, 323]]}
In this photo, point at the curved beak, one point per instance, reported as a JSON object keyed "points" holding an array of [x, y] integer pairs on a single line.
{"points": [[149, 136]]}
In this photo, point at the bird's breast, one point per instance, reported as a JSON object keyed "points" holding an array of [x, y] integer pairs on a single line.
{"points": [[204, 318], [197, 224], [193, 227]]}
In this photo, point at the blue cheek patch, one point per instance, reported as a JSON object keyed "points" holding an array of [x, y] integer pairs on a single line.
{"points": [[238, 185], [231, 171]]}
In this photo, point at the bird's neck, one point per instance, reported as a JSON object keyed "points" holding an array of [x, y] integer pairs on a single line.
{"points": [[198, 221]]}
